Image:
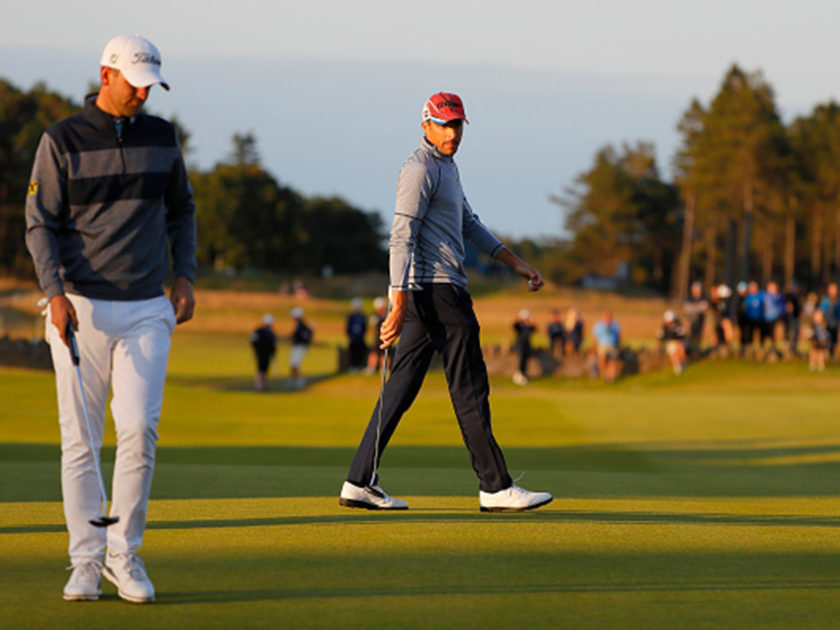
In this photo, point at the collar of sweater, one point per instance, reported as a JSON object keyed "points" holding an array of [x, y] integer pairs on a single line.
{"points": [[101, 119], [428, 147]]}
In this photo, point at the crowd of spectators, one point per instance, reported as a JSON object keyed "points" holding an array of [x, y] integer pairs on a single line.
{"points": [[747, 321], [565, 336], [765, 322]]}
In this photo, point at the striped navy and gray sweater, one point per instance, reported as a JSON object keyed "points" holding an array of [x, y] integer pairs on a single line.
{"points": [[103, 204]]}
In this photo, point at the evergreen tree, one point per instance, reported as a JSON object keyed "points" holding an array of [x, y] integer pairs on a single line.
{"points": [[732, 169], [246, 219], [816, 148], [24, 116], [622, 215]]}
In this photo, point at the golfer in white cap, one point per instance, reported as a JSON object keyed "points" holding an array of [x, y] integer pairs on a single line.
{"points": [[109, 205]]}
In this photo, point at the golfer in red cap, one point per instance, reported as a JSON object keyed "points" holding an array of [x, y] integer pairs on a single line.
{"points": [[432, 312]]}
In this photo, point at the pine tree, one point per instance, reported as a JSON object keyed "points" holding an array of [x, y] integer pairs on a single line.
{"points": [[731, 172]]}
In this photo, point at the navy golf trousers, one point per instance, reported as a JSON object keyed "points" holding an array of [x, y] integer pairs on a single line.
{"points": [[439, 318]]}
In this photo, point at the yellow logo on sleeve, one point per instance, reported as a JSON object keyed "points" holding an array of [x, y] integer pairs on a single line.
{"points": [[33, 187]]}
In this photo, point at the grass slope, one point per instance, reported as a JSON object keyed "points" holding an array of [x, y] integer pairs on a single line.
{"points": [[706, 501]]}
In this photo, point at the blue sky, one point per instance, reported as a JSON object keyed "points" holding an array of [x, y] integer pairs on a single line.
{"points": [[333, 90]]}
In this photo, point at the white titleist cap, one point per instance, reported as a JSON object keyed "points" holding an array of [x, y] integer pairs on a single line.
{"points": [[137, 58]]}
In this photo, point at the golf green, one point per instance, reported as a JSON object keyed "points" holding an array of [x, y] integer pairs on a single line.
{"points": [[703, 501]]}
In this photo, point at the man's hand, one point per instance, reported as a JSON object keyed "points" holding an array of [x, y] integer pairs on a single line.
{"points": [[183, 301], [532, 275], [392, 326], [62, 311]]}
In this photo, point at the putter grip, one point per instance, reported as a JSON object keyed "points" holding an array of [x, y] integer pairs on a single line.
{"points": [[71, 343]]}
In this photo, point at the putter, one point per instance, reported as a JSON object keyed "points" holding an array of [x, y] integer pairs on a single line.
{"points": [[379, 418], [411, 287], [102, 520]]}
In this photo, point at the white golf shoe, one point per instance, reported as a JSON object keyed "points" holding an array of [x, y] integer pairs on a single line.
{"points": [[513, 499], [127, 572], [369, 498], [83, 585], [519, 378]]}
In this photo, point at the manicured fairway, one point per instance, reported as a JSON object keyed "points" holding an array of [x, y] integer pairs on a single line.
{"points": [[706, 501]]}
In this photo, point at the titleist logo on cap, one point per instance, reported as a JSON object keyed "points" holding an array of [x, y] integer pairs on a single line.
{"points": [[145, 57], [139, 57]]}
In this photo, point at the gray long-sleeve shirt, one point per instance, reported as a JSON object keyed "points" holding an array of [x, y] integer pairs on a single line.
{"points": [[103, 205], [431, 220]]}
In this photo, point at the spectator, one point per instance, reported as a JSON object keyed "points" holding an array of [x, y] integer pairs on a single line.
{"points": [[773, 312], [299, 289], [673, 336], [556, 334], [301, 338], [819, 343], [793, 312], [830, 308], [380, 311], [695, 311], [574, 331], [356, 329], [810, 306], [592, 363], [607, 336], [524, 328], [740, 313], [721, 305], [753, 313], [264, 342]]}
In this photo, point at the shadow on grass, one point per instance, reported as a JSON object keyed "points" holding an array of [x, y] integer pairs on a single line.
{"points": [[238, 384], [430, 516], [30, 472], [216, 597]]}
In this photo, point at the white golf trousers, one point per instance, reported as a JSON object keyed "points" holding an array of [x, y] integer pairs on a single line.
{"points": [[124, 345]]}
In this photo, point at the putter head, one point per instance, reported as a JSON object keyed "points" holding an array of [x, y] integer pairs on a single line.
{"points": [[103, 521]]}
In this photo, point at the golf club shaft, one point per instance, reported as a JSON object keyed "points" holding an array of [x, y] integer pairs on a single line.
{"points": [[379, 418], [383, 370], [75, 358]]}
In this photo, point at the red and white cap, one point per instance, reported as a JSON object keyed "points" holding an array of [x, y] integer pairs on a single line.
{"points": [[444, 107], [137, 58]]}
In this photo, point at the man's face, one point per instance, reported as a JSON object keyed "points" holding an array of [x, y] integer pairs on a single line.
{"points": [[446, 138], [118, 97]]}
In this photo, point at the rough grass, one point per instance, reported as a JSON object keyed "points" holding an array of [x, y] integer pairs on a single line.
{"points": [[703, 501]]}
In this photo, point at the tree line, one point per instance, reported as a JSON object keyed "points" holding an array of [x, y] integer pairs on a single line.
{"points": [[246, 218], [751, 198]]}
